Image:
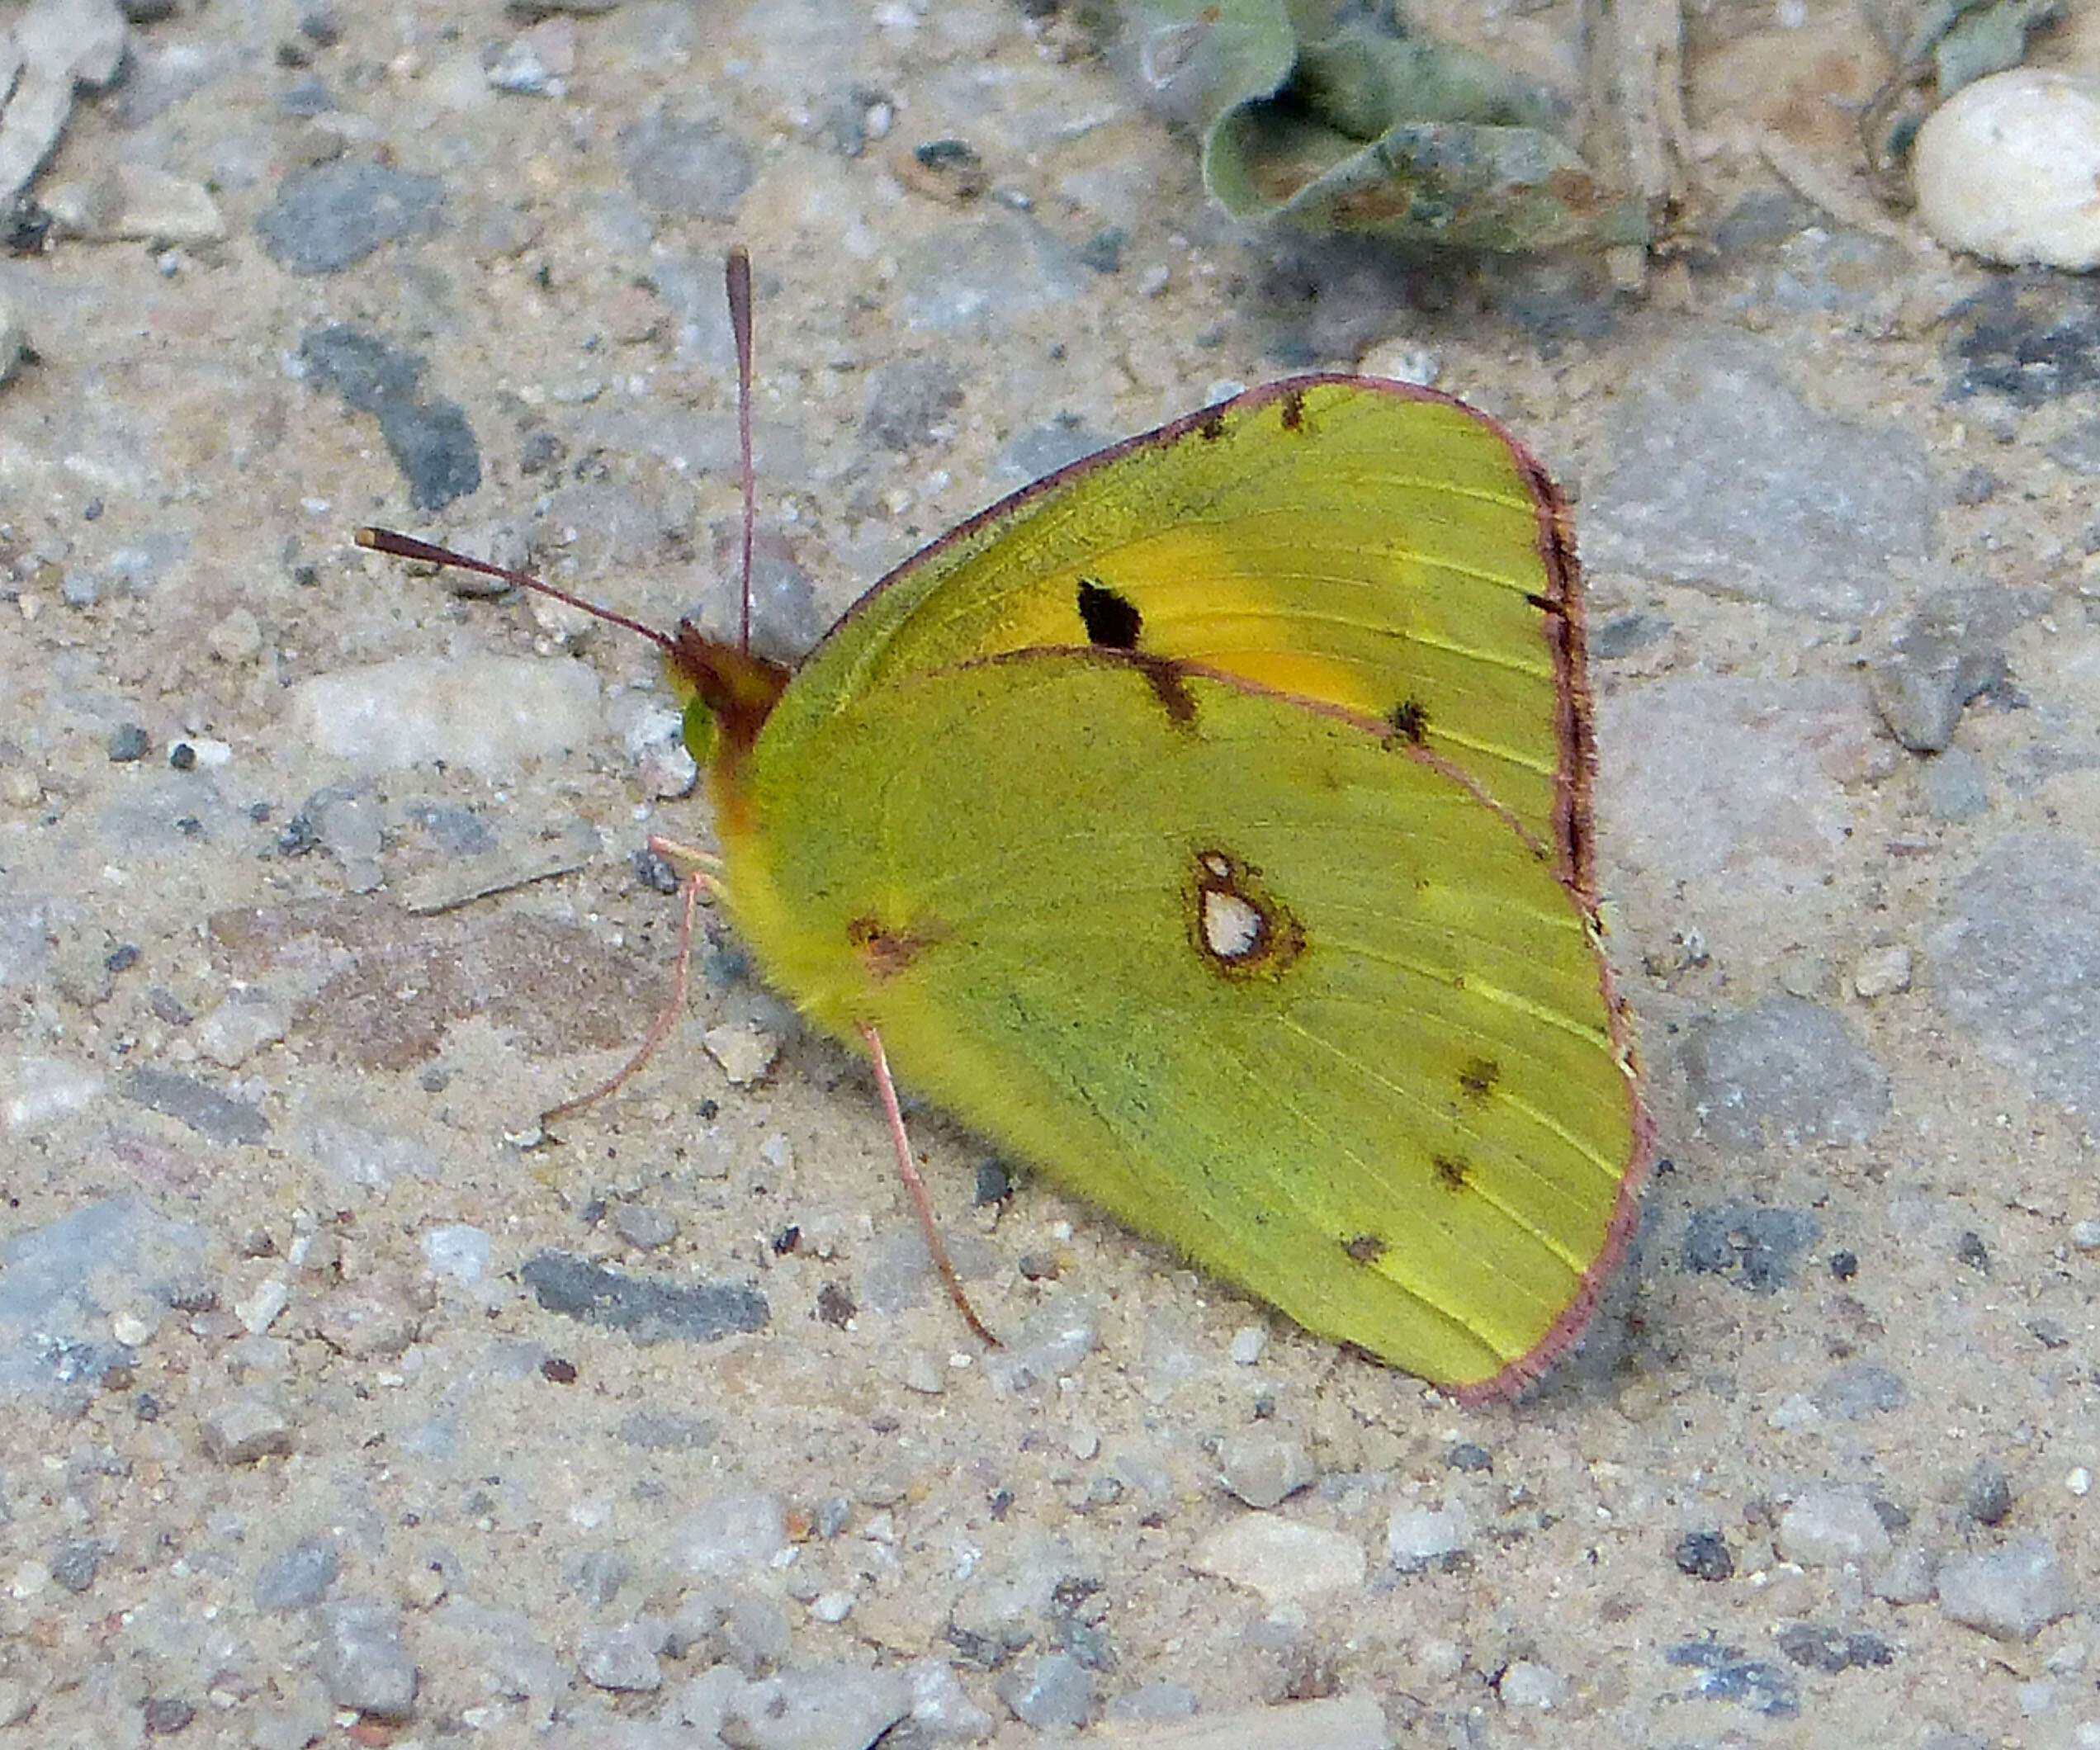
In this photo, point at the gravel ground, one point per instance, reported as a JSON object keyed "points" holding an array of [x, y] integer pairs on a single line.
{"points": [[339, 1406]]}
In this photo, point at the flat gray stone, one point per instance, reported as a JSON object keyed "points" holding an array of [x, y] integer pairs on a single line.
{"points": [[2016, 963], [1722, 478], [1785, 1072]]}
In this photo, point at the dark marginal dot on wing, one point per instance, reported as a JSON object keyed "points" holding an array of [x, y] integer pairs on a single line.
{"points": [[1294, 410], [887, 952], [1211, 426], [1365, 1248], [1112, 620], [1476, 1079], [1451, 1171], [1410, 720], [1544, 604]]}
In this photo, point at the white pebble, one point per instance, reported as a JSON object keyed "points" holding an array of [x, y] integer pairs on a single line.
{"points": [[744, 1052], [1248, 1342], [1282, 1559], [2006, 169], [2086, 1236], [2080, 1482], [1882, 971]]}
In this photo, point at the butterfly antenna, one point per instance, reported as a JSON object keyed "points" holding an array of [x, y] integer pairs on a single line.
{"points": [[736, 274], [407, 547], [928, 1224]]}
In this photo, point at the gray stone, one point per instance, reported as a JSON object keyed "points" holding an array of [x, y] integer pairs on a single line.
{"points": [[1785, 1072], [205, 1110], [1284, 1559], [245, 1428], [431, 441], [1263, 1469], [1051, 1342], [1417, 1538], [1861, 1388], [1952, 786], [1723, 479], [686, 168], [60, 1284], [74, 1565], [622, 1659], [820, 1707], [1828, 1524], [907, 400], [650, 1310], [1049, 1691], [1948, 651], [329, 216], [731, 1534], [644, 1226], [298, 1577], [1987, 1495], [2011, 1594], [362, 1663], [2017, 960], [1910, 1576], [1759, 1248]]}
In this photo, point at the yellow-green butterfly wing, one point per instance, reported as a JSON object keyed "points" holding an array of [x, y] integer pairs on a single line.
{"points": [[1208, 825], [1264, 981], [1363, 543]]}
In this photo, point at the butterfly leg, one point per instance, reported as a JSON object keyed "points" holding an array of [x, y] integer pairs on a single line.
{"points": [[702, 873], [917, 1187]]}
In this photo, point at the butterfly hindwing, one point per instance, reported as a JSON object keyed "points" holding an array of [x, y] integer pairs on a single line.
{"points": [[1268, 983]]}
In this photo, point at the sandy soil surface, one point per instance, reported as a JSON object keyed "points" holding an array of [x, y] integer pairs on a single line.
{"points": [[316, 884]]}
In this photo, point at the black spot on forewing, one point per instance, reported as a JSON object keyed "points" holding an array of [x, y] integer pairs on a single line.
{"points": [[1451, 1171], [1292, 407], [1112, 620], [1363, 1248]]}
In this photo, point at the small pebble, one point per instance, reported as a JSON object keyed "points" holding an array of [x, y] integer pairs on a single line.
{"points": [[1883, 971], [362, 1663], [1826, 1524], [1248, 1343], [298, 1577], [745, 1051], [622, 1660], [1986, 1498], [2010, 1594], [835, 1606], [129, 743], [1282, 1559], [1050, 1691], [1417, 1538], [2006, 167], [1705, 1555], [1527, 1683], [245, 1430], [1264, 1468], [458, 1251], [165, 1715], [643, 1227], [2086, 1236], [74, 1565]]}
